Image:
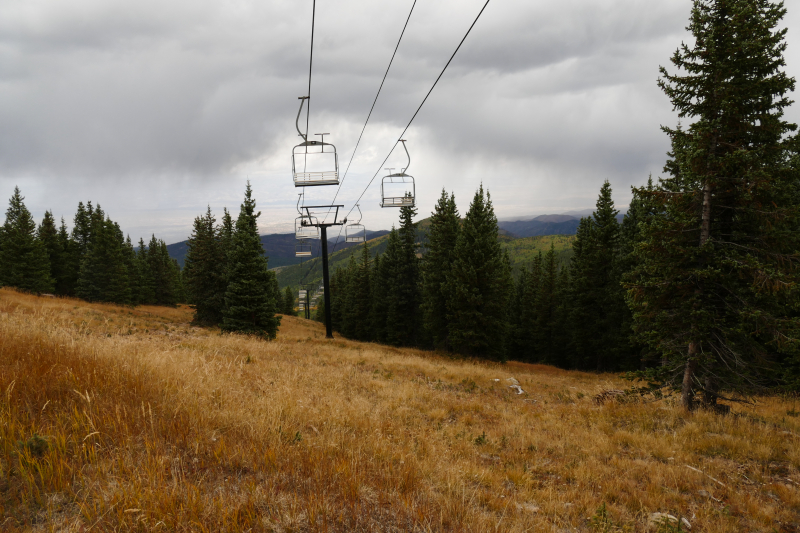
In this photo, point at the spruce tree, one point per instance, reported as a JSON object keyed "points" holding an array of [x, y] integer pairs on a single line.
{"points": [[104, 274], [47, 233], [134, 276], [147, 292], [599, 311], [361, 290], [346, 300], [546, 312], [442, 237], [380, 288], [205, 279], [479, 285], [24, 263], [287, 307], [717, 267], [249, 300], [403, 301], [67, 277]]}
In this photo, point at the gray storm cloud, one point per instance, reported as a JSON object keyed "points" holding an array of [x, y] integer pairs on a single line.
{"points": [[155, 109]]}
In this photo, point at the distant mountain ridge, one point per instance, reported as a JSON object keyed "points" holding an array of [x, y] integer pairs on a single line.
{"points": [[562, 224], [279, 247], [542, 225]]}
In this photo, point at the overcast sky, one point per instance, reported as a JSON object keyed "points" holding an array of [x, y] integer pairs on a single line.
{"points": [[155, 109]]}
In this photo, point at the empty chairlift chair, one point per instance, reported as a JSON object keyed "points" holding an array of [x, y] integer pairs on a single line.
{"points": [[302, 248], [305, 228], [355, 232], [314, 162], [398, 189]]}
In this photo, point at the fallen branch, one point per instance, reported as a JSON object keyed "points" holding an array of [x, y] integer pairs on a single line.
{"points": [[709, 477]]}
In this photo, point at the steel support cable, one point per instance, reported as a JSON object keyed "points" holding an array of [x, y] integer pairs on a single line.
{"points": [[385, 74], [310, 62], [413, 117]]}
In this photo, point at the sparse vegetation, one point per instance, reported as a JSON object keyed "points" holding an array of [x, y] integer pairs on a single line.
{"points": [[151, 423]]}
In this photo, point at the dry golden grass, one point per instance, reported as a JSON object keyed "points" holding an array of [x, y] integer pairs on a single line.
{"points": [[118, 419]]}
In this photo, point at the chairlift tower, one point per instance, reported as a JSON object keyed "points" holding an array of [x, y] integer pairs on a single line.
{"points": [[311, 212]]}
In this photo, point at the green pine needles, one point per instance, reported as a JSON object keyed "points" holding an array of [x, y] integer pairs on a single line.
{"points": [[250, 294], [714, 289]]}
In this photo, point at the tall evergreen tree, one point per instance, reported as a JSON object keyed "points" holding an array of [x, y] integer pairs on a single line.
{"points": [[598, 298], [249, 300], [24, 263], [104, 274], [204, 270], [380, 287], [479, 284], [718, 265], [47, 233], [403, 300], [147, 291], [287, 303], [442, 237], [546, 303], [361, 289], [67, 277]]}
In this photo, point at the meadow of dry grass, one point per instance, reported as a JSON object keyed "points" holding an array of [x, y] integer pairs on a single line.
{"points": [[119, 419]]}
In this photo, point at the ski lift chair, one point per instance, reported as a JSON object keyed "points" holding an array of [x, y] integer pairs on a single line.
{"points": [[305, 227], [302, 248], [355, 232], [302, 294], [314, 162], [398, 189]]}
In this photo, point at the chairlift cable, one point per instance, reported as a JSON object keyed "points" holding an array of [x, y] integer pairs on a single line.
{"points": [[385, 74], [310, 62], [414, 116]]}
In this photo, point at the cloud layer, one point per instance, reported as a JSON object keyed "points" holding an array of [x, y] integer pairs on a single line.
{"points": [[156, 109]]}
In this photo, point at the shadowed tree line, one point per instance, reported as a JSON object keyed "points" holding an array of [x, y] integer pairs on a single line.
{"points": [[94, 261]]}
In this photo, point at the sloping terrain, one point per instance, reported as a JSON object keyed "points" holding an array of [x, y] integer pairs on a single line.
{"points": [[120, 419]]}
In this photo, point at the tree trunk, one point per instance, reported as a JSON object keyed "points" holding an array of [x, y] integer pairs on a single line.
{"points": [[705, 226], [710, 392], [687, 395]]}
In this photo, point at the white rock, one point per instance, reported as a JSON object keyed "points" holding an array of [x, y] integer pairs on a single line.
{"points": [[513, 381]]}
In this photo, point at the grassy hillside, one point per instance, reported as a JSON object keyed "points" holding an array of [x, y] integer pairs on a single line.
{"points": [[120, 419]]}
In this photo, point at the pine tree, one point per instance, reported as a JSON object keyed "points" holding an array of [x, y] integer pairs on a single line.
{"points": [[24, 263], [68, 272], [287, 302], [599, 311], [147, 291], [361, 290], [546, 312], [346, 301], [103, 274], [249, 302], [134, 275], [442, 237], [47, 233], [479, 285], [717, 266], [205, 279], [380, 288], [403, 301]]}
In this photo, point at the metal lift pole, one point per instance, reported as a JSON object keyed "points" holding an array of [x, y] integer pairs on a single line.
{"points": [[326, 282]]}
